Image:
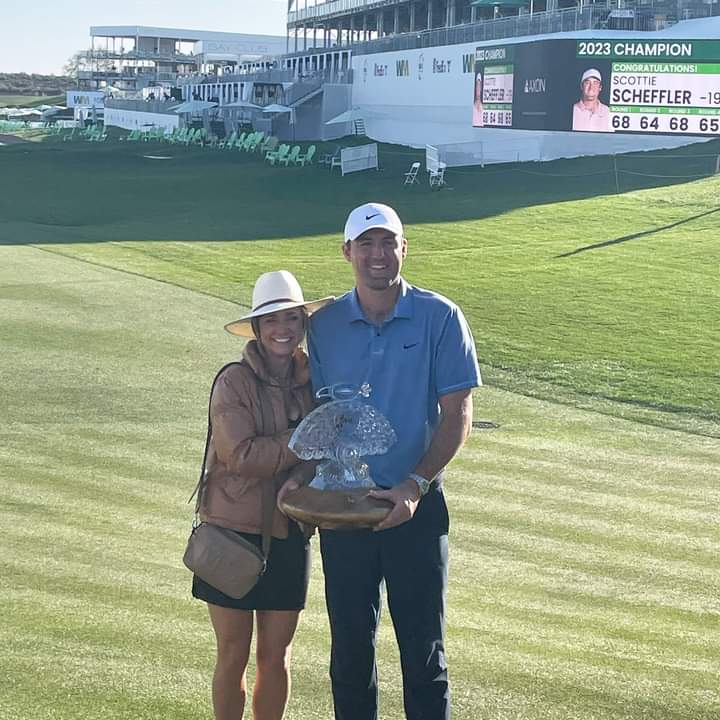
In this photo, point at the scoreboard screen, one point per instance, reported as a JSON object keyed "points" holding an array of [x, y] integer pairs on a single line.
{"points": [[625, 86]]}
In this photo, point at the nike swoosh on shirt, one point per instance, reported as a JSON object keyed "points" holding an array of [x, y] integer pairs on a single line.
{"points": [[411, 345]]}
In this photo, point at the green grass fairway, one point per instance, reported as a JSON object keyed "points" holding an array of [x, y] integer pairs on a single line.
{"points": [[585, 529], [31, 100], [574, 293], [584, 580]]}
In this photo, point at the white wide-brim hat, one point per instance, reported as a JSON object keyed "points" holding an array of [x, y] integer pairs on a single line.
{"points": [[273, 292]]}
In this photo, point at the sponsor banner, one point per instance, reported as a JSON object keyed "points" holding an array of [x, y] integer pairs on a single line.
{"points": [[85, 98], [624, 86], [442, 74]]}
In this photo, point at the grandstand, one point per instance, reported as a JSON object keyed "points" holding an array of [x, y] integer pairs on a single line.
{"points": [[404, 72], [130, 57], [327, 23]]}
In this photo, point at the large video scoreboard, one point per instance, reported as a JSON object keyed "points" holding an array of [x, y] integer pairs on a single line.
{"points": [[628, 86]]}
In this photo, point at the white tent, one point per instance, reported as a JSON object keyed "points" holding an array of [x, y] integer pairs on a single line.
{"points": [[275, 108], [193, 106], [352, 115], [242, 105]]}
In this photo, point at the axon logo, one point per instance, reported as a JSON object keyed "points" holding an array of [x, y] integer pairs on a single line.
{"points": [[402, 68], [535, 86]]}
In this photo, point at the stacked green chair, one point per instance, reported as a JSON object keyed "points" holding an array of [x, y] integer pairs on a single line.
{"points": [[307, 158], [171, 136], [239, 141], [244, 145], [199, 138], [134, 136], [269, 144], [179, 139], [257, 143], [98, 134], [189, 138], [277, 155], [291, 157], [227, 140]]}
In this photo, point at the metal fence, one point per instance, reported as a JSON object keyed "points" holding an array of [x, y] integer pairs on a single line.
{"points": [[335, 7], [147, 106], [298, 76], [98, 54], [556, 21]]}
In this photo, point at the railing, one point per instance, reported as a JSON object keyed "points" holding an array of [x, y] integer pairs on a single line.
{"points": [[334, 7], [148, 74], [314, 77], [139, 55], [556, 21], [151, 106], [327, 9], [269, 76]]}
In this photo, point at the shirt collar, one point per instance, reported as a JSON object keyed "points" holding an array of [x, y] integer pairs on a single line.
{"points": [[403, 306]]}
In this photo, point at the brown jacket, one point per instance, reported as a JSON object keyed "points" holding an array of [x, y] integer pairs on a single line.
{"points": [[242, 454]]}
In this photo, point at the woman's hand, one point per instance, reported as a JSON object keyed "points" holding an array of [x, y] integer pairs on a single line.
{"points": [[288, 486]]}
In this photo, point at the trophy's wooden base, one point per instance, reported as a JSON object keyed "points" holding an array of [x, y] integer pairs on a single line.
{"points": [[334, 509]]}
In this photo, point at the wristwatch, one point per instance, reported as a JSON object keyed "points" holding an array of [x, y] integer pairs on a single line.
{"points": [[422, 483]]}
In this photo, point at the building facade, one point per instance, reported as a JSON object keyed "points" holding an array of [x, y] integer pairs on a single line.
{"points": [[129, 58]]}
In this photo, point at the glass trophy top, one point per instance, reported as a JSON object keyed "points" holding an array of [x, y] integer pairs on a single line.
{"points": [[341, 432]]}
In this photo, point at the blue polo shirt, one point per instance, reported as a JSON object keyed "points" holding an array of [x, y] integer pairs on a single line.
{"points": [[422, 351]]}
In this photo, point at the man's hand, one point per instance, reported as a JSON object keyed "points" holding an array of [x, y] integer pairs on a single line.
{"points": [[287, 487], [404, 497]]}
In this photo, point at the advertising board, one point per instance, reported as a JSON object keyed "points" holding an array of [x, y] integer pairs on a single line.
{"points": [[85, 99], [621, 86]]}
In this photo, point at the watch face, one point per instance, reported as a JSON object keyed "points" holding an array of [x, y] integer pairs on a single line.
{"points": [[422, 483]]}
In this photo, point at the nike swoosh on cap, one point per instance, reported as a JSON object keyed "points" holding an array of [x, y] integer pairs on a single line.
{"points": [[370, 217]]}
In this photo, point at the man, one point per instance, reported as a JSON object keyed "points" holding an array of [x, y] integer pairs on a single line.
{"points": [[589, 114], [477, 117], [414, 348]]}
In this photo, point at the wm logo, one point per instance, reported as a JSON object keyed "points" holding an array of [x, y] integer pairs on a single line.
{"points": [[402, 68], [468, 63]]}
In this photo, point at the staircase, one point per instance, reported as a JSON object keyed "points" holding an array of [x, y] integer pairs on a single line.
{"points": [[359, 127]]}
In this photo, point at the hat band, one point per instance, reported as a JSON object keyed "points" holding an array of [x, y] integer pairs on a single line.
{"points": [[273, 302]]}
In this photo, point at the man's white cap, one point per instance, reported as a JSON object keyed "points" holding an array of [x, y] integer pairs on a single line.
{"points": [[370, 216], [591, 73]]}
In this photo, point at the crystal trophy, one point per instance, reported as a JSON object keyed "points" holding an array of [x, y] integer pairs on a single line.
{"points": [[340, 433]]}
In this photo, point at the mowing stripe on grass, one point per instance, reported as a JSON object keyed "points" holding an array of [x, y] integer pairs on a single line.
{"points": [[583, 577]]}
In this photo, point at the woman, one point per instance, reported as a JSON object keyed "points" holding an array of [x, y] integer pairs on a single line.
{"points": [[255, 406]]}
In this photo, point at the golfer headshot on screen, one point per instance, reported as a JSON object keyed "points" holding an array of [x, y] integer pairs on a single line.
{"points": [[477, 119], [589, 114]]}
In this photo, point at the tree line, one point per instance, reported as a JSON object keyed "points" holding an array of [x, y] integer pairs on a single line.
{"points": [[34, 84]]}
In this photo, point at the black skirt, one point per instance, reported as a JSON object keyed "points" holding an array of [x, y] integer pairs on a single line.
{"points": [[284, 584]]}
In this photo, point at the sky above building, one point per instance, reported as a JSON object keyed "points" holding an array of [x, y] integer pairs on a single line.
{"points": [[40, 36]]}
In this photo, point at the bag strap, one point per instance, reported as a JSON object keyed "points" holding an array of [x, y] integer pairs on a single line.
{"points": [[268, 494], [268, 487]]}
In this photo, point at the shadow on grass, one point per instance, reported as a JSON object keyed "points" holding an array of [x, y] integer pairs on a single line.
{"points": [[635, 236], [66, 192]]}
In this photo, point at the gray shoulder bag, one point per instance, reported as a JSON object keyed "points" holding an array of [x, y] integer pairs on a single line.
{"points": [[218, 555]]}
